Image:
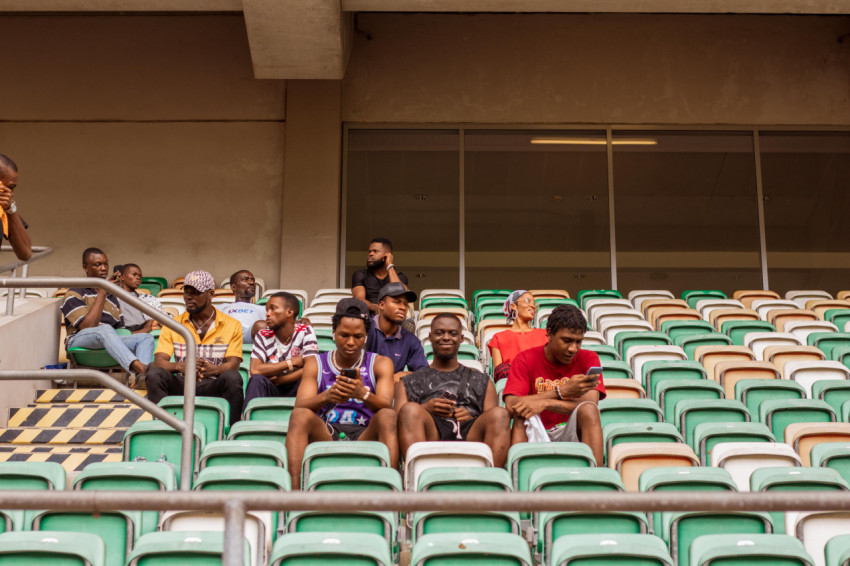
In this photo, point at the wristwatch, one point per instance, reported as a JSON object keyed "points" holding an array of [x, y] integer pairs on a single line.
{"points": [[13, 209]]}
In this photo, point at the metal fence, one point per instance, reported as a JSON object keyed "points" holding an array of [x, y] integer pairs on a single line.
{"points": [[38, 252]]}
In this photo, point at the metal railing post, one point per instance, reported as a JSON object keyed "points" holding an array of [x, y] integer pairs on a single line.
{"points": [[38, 252], [234, 533], [187, 447]]}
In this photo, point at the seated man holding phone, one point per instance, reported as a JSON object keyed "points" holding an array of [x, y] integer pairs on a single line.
{"points": [[560, 382], [345, 394], [449, 401]]}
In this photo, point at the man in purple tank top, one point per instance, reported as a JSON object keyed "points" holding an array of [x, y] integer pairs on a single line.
{"points": [[345, 394]]}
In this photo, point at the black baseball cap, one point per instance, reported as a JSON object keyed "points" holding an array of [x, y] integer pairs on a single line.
{"points": [[396, 289], [354, 308]]}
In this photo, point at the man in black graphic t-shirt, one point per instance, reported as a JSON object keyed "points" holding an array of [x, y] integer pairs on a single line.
{"points": [[449, 401], [366, 283]]}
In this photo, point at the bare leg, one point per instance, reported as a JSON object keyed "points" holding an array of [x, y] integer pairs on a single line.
{"points": [[304, 427], [518, 434], [383, 428], [492, 428], [589, 429], [415, 424]]}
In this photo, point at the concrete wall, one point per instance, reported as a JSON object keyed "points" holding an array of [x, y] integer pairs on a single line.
{"points": [[146, 136]]}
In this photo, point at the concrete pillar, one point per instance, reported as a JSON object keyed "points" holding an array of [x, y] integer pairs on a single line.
{"points": [[311, 185]]}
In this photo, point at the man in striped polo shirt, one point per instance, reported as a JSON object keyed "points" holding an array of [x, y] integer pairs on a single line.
{"points": [[218, 343], [92, 315]]}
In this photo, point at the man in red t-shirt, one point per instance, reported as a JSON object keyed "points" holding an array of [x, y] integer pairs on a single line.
{"points": [[551, 381]]}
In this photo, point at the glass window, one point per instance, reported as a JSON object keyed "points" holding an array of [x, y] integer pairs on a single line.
{"points": [[404, 185], [805, 177], [536, 210], [686, 211]]}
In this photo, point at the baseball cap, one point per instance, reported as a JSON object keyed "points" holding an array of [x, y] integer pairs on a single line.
{"points": [[396, 289], [200, 280], [354, 308]]}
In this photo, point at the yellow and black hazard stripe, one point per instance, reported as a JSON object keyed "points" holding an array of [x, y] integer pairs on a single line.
{"points": [[71, 458], [61, 435], [78, 416], [80, 396]]}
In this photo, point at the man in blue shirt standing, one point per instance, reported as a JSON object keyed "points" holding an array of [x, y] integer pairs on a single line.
{"points": [[388, 338]]}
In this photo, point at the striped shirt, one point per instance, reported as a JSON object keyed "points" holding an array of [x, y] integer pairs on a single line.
{"points": [[77, 304], [222, 340], [269, 350]]}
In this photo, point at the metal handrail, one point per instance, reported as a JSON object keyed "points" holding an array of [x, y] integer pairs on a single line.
{"points": [[38, 252], [187, 432]]}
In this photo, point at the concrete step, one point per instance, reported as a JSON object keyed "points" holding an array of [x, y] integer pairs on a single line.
{"points": [[73, 458], [81, 396], [77, 416]]}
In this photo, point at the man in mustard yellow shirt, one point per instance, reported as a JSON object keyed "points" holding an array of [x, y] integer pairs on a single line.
{"points": [[218, 342]]}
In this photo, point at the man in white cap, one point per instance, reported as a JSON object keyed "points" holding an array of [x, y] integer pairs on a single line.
{"points": [[218, 340]]}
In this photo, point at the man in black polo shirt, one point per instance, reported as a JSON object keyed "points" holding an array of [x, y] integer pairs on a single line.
{"points": [[366, 283], [12, 226]]}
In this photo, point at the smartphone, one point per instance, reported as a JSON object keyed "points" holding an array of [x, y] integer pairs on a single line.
{"points": [[596, 370], [449, 395], [350, 373]]}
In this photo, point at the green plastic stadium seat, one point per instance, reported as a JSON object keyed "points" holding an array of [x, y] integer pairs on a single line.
{"points": [[709, 434], [243, 453], [605, 352], [269, 409], [678, 328], [690, 413], [794, 479], [690, 343], [20, 476], [618, 433], [440, 522], [462, 548], [586, 294], [828, 341], [490, 294], [525, 458], [464, 479], [182, 548], [160, 282], [691, 297], [629, 411], [343, 454], [556, 524], [350, 549], [51, 548], [626, 340], [436, 301], [378, 528], [834, 392], [841, 354], [354, 478], [838, 317], [259, 430], [657, 371], [553, 302], [737, 329], [116, 529], [751, 392], [91, 358], [669, 393], [616, 369], [779, 413], [684, 479], [679, 529], [837, 550], [212, 412], [833, 455], [575, 479], [749, 549], [152, 441], [613, 549]]}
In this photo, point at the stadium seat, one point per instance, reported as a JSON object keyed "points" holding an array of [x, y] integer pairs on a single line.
{"points": [[719, 317], [729, 373], [154, 441], [804, 436], [189, 523], [658, 371], [383, 524], [842, 353], [443, 302], [780, 355], [816, 528], [259, 430], [117, 529], [527, 457], [838, 317], [838, 550], [196, 548], [424, 455], [343, 454], [470, 548], [621, 432], [738, 549], [651, 305], [640, 295], [605, 352], [690, 343], [626, 340], [680, 529], [575, 479], [833, 455], [623, 388], [737, 330], [706, 306], [21, 476], [758, 341], [629, 411], [243, 452], [821, 306], [808, 373], [693, 296], [611, 331], [741, 459], [683, 479], [802, 296], [796, 321], [586, 295], [797, 480], [676, 328], [360, 548], [610, 549], [779, 413], [669, 393], [708, 435], [763, 306], [834, 392], [751, 392], [637, 355], [591, 337], [603, 315], [689, 413], [464, 479], [616, 370], [212, 412], [49, 548], [425, 523], [828, 341], [667, 314], [632, 458], [747, 296], [355, 478], [426, 293], [552, 525], [269, 409], [710, 356]]}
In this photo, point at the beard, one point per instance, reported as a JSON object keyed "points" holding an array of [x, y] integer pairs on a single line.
{"points": [[376, 264]]}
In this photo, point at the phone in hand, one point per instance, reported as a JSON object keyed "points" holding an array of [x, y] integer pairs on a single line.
{"points": [[350, 373], [449, 395], [594, 372]]}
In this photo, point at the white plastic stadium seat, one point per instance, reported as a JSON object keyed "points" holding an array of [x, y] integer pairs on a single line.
{"points": [[806, 373], [258, 528], [592, 337], [474, 364], [601, 315], [639, 296], [440, 293], [594, 304], [300, 293], [816, 528], [610, 331], [758, 341], [800, 297], [741, 459], [762, 306], [425, 455], [802, 328], [338, 293], [705, 306], [639, 355]]}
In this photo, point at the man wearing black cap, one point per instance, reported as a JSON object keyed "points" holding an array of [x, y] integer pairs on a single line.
{"points": [[345, 394], [388, 338]]}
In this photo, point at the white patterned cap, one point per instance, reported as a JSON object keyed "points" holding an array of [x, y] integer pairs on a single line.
{"points": [[200, 280]]}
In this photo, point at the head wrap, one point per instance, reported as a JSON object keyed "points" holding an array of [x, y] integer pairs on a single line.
{"points": [[510, 313]]}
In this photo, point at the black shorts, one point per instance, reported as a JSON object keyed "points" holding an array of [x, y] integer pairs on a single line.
{"points": [[450, 429], [351, 432]]}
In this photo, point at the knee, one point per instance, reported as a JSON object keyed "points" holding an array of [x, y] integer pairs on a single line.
{"points": [[410, 413], [300, 417], [499, 418], [387, 419], [156, 375], [146, 340], [231, 378], [588, 415]]}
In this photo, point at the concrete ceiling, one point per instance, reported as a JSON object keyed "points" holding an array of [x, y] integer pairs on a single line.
{"points": [[310, 39]]}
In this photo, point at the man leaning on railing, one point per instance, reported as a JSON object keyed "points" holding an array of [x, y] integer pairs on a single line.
{"points": [[14, 228]]}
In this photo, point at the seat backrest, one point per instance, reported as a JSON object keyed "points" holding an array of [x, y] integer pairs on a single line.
{"points": [[631, 459], [741, 459], [779, 413], [747, 296], [710, 356], [729, 373], [689, 414], [816, 528], [51, 547], [525, 458], [758, 341], [424, 455], [807, 373]]}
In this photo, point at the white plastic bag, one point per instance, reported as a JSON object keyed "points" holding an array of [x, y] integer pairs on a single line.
{"points": [[535, 430]]}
